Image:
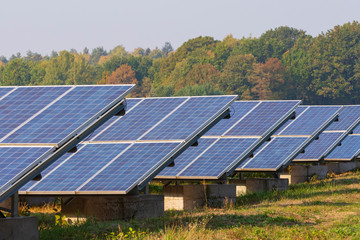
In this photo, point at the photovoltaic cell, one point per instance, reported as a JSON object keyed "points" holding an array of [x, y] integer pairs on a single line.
{"points": [[316, 149], [348, 115], [130, 103], [262, 118], [349, 149], [23, 103], [238, 110], [298, 111], [5, 90], [217, 158], [134, 124], [13, 160], [186, 118], [79, 167], [186, 157], [126, 170], [274, 154], [66, 114], [310, 121]]}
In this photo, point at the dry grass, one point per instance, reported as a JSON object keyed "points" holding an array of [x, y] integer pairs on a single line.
{"points": [[328, 209]]}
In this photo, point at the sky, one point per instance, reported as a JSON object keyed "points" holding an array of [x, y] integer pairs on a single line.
{"points": [[46, 25]]}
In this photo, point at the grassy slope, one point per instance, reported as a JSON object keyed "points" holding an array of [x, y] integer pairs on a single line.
{"points": [[328, 209]]}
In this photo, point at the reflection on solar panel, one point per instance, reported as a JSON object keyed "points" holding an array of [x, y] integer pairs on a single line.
{"points": [[347, 151], [291, 139], [231, 140], [128, 152], [39, 124], [349, 117]]}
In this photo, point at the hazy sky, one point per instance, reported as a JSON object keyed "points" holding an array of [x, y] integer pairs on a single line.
{"points": [[46, 25]]}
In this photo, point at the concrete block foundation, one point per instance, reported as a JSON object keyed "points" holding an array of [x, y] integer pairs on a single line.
{"points": [[19, 228], [341, 167], [259, 185], [188, 197], [107, 208], [301, 173]]}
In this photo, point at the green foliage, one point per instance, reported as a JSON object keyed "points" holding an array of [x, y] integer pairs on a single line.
{"points": [[283, 63]]}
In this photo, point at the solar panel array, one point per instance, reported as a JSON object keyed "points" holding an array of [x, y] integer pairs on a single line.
{"points": [[230, 141], [349, 118], [291, 138], [37, 121], [129, 151]]}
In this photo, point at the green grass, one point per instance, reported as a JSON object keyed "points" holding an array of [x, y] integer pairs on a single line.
{"points": [[328, 209]]}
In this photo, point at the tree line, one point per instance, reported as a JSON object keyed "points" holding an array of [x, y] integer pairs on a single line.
{"points": [[283, 63]]}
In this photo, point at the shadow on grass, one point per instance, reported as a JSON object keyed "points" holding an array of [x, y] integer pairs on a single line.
{"points": [[304, 190], [319, 203], [259, 220]]}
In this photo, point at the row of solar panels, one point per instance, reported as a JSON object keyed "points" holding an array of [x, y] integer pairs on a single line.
{"points": [[128, 151]]}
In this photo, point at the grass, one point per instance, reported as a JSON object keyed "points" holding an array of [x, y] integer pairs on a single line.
{"points": [[328, 209]]}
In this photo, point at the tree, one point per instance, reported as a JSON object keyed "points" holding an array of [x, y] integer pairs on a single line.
{"points": [[234, 78], [16, 72], [166, 49], [96, 54], [122, 75], [267, 79]]}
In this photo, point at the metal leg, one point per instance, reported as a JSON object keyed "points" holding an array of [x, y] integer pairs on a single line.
{"points": [[15, 205]]}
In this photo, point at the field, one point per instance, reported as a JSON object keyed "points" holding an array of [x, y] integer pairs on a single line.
{"points": [[327, 209]]}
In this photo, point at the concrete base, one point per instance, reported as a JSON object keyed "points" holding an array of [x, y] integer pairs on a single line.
{"points": [[19, 228], [107, 208], [36, 200], [259, 185], [188, 197], [301, 173], [341, 167]]}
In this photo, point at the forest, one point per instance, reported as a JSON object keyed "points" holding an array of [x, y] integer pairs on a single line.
{"points": [[283, 63]]}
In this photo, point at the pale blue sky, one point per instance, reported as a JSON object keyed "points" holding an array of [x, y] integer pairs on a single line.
{"points": [[46, 25]]}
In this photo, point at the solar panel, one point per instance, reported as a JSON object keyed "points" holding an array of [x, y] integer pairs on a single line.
{"points": [[220, 154], [349, 149], [35, 120], [273, 155], [258, 121], [131, 160], [292, 139], [349, 117], [316, 149], [310, 121]]}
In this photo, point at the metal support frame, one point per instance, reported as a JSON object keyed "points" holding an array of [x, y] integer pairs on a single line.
{"points": [[15, 205]]}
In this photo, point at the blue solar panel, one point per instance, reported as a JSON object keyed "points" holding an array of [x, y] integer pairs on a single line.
{"points": [[186, 157], [310, 120], [125, 171], [273, 155], [79, 167], [14, 160], [298, 111], [318, 148], [141, 119], [262, 118], [23, 103], [66, 115], [130, 103], [5, 90], [238, 110], [188, 118], [217, 158], [348, 115], [349, 149]]}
